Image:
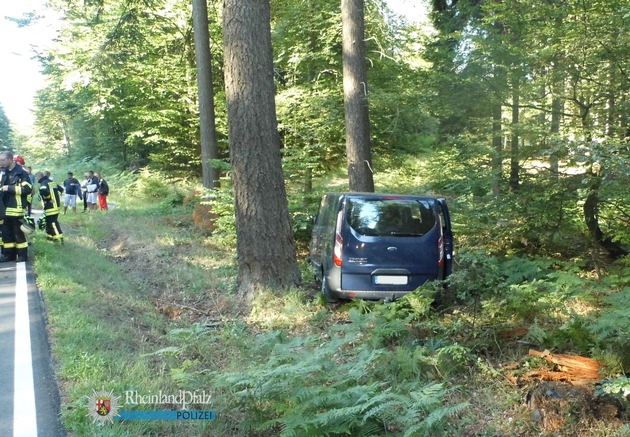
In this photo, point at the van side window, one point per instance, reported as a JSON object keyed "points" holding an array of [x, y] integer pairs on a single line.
{"points": [[327, 213]]}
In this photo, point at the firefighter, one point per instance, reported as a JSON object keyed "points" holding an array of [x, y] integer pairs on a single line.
{"points": [[16, 187], [49, 192]]}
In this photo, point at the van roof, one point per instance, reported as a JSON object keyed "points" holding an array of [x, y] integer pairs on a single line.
{"points": [[380, 195]]}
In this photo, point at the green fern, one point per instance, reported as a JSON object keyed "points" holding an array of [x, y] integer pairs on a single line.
{"points": [[329, 386], [613, 323]]}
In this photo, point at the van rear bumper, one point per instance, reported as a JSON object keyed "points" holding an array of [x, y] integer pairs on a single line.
{"points": [[371, 294]]}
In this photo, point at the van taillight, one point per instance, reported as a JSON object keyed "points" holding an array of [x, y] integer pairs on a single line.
{"points": [[338, 240], [337, 250]]}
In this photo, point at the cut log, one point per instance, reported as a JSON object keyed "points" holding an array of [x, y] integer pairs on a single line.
{"points": [[574, 366]]}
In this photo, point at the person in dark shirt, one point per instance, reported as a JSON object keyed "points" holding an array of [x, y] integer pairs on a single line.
{"points": [[72, 189]]}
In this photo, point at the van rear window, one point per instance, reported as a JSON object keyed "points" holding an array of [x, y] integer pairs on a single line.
{"points": [[390, 217]]}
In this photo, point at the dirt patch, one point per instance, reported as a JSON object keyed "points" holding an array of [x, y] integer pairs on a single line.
{"points": [[172, 274], [554, 404]]}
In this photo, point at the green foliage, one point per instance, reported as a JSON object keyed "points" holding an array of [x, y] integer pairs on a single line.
{"points": [[158, 186], [612, 326], [619, 274], [544, 217], [528, 299], [617, 387], [572, 332], [5, 131], [121, 88], [314, 385], [542, 294], [478, 273], [133, 99], [414, 306], [526, 285], [614, 159], [294, 365], [221, 202]]}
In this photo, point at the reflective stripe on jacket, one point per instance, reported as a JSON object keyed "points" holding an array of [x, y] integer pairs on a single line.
{"points": [[49, 191], [15, 199]]}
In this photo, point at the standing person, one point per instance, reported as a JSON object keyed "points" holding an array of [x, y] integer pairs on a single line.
{"points": [[16, 187], [84, 192], [2, 213], [31, 176], [92, 187], [72, 188], [102, 192], [49, 192]]}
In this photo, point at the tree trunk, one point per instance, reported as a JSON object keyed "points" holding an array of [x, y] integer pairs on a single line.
{"points": [[265, 244], [355, 97], [497, 147], [591, 210], [556, 113], [313, 38], [591, 203], [209, 149], [514, 146], [66, 137]]}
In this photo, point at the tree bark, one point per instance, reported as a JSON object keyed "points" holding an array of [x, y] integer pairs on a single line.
{"points": [[359, 152], [265, 244], [514, 143], [208, 133], [497, 148], [556, 113]]}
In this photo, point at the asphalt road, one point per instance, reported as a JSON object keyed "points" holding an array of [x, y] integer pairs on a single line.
{"points": [[29, 396]]}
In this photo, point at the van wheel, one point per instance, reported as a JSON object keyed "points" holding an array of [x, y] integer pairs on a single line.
{"points": [[330, 297]]}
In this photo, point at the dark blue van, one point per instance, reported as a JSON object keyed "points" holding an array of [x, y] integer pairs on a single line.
{"points": [[379, 246]]}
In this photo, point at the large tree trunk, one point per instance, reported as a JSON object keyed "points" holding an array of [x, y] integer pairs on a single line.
{"points": [[265, 244], [209, 149], [355, 97]]}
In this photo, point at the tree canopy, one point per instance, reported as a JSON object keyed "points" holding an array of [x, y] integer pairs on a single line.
{"points": [[514, 96]]}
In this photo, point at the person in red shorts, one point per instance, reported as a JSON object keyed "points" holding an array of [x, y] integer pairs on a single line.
{"points": [[102, 192]]}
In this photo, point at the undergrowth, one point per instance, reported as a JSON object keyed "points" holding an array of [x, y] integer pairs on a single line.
{"points": [[430, 363]]}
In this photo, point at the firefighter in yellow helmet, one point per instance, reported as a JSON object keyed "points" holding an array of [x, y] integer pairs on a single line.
{"points": [[15, 186], [49, 192]]}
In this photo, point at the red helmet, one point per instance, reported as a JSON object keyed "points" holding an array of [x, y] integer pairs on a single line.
{"points": [[19, 159]]}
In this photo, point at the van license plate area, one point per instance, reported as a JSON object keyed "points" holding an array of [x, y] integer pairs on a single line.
{"points": [[390, 280]]}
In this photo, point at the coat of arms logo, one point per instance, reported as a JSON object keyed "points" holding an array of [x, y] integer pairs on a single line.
{"points": [[103, 406]]}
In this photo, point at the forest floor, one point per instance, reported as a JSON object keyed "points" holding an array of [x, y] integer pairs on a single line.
{"points": [[184, 277]]}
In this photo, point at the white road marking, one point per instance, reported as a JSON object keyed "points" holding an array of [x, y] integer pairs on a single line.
{"points": [[24, 413]]}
